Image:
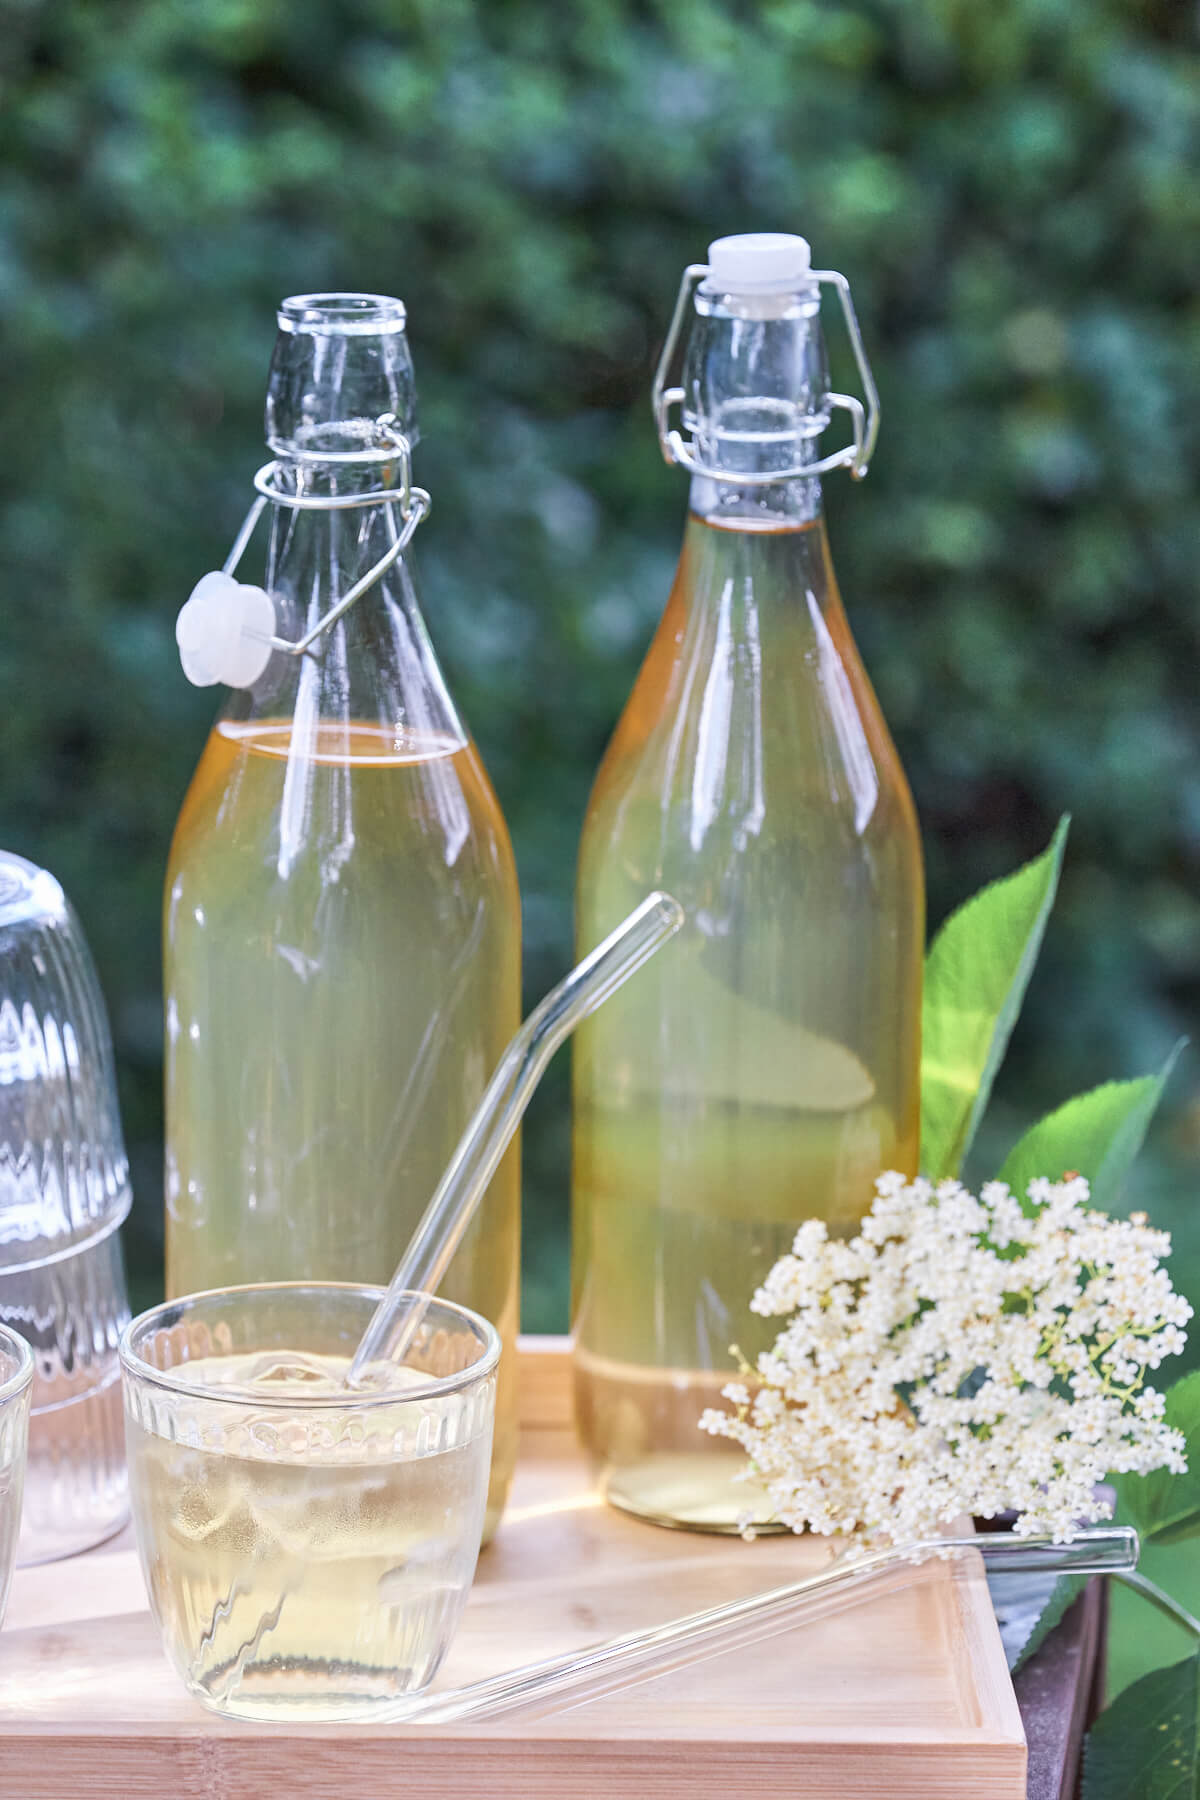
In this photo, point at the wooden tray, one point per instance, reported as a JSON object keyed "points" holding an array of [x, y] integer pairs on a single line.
{"points": [[905, 1699]]}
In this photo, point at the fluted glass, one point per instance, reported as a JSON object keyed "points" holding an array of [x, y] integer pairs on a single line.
{"points": [[64, 1191]]}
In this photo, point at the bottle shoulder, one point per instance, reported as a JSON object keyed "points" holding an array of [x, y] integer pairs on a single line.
{"points": [[752, 716], [491, 825], [351, 796]]}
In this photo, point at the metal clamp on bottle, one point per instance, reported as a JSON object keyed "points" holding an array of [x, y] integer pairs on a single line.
{"points": [[226, 628], [758, 267]]}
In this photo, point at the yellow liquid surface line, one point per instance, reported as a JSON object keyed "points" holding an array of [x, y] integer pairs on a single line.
{"points": [[337, 745]]}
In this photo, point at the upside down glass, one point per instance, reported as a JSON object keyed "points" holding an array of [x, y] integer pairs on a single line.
{"points": [[64, 1191], [307, 1548], [16, 1383]]}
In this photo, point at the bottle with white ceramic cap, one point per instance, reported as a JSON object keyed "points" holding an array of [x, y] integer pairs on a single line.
{"points": [[764, 1070], [342, 926]]}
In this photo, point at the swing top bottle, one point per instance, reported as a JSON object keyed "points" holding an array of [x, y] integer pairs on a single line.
{"points": [[342, 925], [765, 1068]]}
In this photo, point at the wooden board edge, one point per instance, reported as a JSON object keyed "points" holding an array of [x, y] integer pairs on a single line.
{"points": [[197, 1767], [984, 1663]]}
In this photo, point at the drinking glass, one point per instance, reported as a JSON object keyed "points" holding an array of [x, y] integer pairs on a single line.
{"points": [[64, 1191], [16, 1380], [307, 1547]]}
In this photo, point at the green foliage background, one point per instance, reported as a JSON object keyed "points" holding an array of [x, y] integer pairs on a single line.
{"points": [[1011, 188]]}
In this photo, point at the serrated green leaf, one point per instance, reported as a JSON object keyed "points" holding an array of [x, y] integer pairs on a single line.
{"points": [[1064, 1593], [1098, 1133], [1145, 1746], [976, 973], [1165, 1507], [1018, 1602]]}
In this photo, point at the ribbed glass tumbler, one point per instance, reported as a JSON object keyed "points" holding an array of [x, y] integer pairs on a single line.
{"points": [[307, 1546], [16, 1379], [64, 1190]]}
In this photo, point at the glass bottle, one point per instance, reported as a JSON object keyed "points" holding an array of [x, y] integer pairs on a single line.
{"points": [[764, 1068], [342, 923]]}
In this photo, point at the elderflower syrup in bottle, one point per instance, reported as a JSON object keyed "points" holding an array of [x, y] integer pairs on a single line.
{"points": [[764, 1069], [342, 925]]}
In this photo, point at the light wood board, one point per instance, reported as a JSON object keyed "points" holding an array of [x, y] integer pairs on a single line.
{"points": [[904, 1698]]}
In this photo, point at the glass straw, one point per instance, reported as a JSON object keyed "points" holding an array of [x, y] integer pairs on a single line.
{"points": [[495, 1119], [561, 1682]]}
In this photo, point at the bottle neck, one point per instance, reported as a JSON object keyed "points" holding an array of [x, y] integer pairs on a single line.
{"points": [[375, 665], [757, 613], [775, 506], [755, 398], [766, 577], [316, 554], [754, 662]]}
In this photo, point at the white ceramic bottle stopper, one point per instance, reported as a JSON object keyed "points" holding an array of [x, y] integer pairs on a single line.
{"points": [[759, 262], [224, 632]]}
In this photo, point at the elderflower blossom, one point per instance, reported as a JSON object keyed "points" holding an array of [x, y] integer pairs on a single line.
{"points": [[960, 1355]]}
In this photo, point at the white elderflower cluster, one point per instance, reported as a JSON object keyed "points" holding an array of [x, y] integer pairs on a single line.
{"points": [[960, 1355]]}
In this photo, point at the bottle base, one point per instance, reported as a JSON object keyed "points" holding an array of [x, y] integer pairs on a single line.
{"points": [[685, 1491], [641, 1424]]}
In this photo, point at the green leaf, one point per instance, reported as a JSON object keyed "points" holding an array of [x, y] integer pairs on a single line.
{"points": [[1098, 1133], [1165, 1507], [1064, 1593], [976, 973], [1145, 1746]]}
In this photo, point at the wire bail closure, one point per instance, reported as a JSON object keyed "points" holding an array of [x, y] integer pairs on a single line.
{"points": [[414, 504], [855, 456], [226, 628]]}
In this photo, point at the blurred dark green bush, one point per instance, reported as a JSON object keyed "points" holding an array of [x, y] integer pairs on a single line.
{"points": [[1012, 189]]}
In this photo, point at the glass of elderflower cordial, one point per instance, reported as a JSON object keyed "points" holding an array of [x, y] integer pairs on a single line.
{"points": [[307, 1546]]}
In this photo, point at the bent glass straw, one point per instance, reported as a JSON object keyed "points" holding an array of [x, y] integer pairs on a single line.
{"points": [[490, 1131], [571, 1680]]}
